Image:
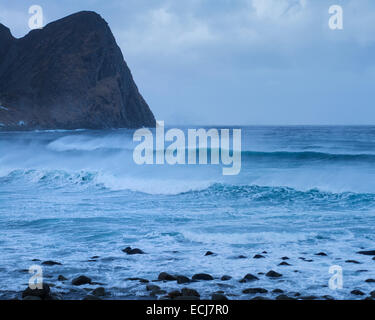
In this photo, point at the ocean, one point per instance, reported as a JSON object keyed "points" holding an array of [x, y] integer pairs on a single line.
{"points": [[70, 195]]}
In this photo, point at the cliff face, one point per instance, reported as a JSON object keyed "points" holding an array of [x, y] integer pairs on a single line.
{"points": [[70, 74]]}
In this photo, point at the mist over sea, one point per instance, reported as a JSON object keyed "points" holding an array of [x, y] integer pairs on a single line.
{"points": [[70, 195]]}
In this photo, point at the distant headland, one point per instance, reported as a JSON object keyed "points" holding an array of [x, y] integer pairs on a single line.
{"points": [[69, 75]]}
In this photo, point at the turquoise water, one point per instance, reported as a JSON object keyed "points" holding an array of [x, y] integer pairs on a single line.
{"points": [[70, 195]]}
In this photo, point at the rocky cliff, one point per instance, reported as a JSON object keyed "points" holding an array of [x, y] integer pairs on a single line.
{"points": [[70, 74]]}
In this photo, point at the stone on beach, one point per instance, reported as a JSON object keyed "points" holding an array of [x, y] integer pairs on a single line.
{"points": [[61, 278], [367, 253], [202, 276], [164, 276], [322, 254], [254, 290], [99, 292], [51, 263], [218, 297], [249, 277], [129, 250], [81, 280], [182, 279], [42, 294], [187, 292], [352, 261], [357, 293], [273, 274]]}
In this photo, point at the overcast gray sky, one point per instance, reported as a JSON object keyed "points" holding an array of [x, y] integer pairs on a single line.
{"points": [[237, 61]]}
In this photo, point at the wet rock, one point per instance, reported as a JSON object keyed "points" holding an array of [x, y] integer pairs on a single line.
{"points": [[304, 259], [260, 298], [141, 280], [129, 250], [188, 298], [164, 276], [284, 258], [152, 287], [284, 297], [372, 294], [277, 291], [308, 298], [261, 273], [61, 278], [51, 263], [322, 254], [182, 279], [209, 253], [43, 293], [187, 292], [273, 274], [241, 257], [35, 260], [284, 264], [31, 298], [81, 280], [264, 252], [157, 292], [202, 276], [373, 258], [357, 293], [258, 256], [254, 290], [370, 280], [328, 297], [352, 261], [91, 297], [367, 253], [218, 297], [99, 292], [248, 278], [95, 257], [174, 294], [225, 278]]}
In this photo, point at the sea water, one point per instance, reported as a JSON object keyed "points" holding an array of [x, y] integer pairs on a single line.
{"points": [[70, 195]]}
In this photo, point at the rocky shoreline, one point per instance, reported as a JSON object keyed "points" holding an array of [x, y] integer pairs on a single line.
{"points": [[170, 286]]}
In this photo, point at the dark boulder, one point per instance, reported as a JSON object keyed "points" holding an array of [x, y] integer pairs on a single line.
{"points": [[51, 263], [322, 254], [273, 274], [209, 253], [248, 278], [42, 294], [81, 280], [187, 292], [182, 279], [218, 297], [367, 253], [129, 250], [164, 276], [357, 293], [202, 276], [61, 278], [254, 290]]}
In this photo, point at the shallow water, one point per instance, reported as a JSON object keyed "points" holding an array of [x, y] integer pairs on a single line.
{"points": [[70, 195]]}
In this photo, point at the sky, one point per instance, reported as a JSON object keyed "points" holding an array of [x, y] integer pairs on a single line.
{"points": [[237, 62]]}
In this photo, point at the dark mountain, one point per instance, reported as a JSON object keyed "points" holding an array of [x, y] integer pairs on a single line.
{"points": [[70, 74]]}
